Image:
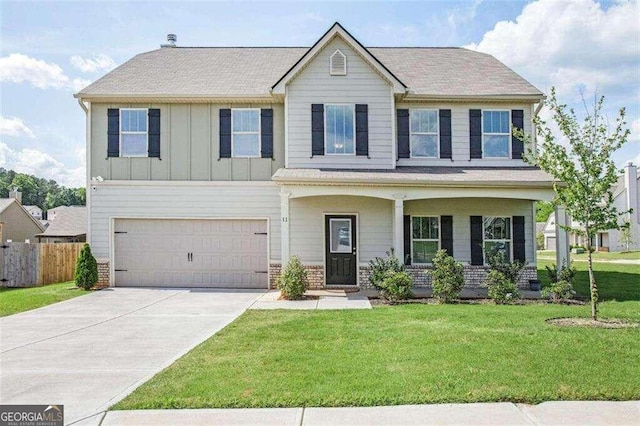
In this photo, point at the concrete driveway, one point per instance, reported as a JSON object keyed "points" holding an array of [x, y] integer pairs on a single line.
{"points": [[89, 352]]}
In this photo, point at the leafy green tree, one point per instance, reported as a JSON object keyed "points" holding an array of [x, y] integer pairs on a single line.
{"points": [[40, 192], [86, 274], [543, 210], [583, 169], [626, 235]]}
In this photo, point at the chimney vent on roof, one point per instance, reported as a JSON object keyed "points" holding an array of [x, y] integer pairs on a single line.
{"points": [[171, 41]]}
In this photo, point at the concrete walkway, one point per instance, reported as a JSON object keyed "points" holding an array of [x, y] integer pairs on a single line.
{"points": [[89, 352], [320, 299], [503, 413]]}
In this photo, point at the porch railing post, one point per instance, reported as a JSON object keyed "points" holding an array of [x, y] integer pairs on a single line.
{"points": [[284, 227], [398, 225]]}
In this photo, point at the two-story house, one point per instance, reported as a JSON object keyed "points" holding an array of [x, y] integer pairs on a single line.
{"points": [[210, 167]]}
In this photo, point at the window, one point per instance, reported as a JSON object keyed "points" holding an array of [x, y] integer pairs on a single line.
{"points": [[425, 238], [340, 235], [339, 129], [496, 134], [497, 235], [338, 63], [424, 133], [245, 132], [134, 138]]}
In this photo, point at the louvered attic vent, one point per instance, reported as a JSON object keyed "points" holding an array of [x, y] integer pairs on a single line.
{"points": [[338, 63]]}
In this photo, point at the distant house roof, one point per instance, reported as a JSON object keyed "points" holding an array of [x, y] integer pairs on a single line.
{"points": [[218, 72], [69, 222], [6, 202]]}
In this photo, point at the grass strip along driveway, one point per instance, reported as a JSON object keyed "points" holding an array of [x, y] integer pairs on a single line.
{"points": [[407, 354], [14, 300]]}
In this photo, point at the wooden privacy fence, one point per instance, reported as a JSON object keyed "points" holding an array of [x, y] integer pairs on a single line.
{"points": [[27, 265]]}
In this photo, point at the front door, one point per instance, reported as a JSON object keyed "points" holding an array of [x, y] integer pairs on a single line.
{"points": [[340, 246]]}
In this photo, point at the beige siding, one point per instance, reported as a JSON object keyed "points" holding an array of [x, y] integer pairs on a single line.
{"points": [[17, 225], [361, 85], [460, 134], [307, 225], [183, 201], [189, 147], [462, 209]]}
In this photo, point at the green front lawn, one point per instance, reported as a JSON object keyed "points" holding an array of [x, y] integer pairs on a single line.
{"points": [[409, 354], [597, 256], [14, 300]]}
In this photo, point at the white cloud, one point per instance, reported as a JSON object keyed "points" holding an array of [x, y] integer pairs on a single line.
{"points": [[99, 62], [14, 126], [43, 165], [462, 16], [19, 68]]}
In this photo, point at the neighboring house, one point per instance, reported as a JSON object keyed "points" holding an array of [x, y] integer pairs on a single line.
{"points": [[69, 226], [35, 211], [16, 223], [210, 167], [53, 213]]}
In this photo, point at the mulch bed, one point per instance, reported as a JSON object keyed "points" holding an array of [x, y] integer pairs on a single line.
{"points": [[588, 322]]}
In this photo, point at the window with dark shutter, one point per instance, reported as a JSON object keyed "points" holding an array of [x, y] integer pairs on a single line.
{"points": [[317, 129], [445, 133], [225, 133], [477, 257], [402, 125], [154, 133], [362, 129], [446, 234], [113, 132], [518, 238], [266, 130], [475, 133], [517, 145]]}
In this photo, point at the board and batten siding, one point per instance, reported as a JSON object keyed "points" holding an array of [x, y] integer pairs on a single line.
{"points": [[361, 85], [462, 209], [306, 222], [189, 201], [460, 134], [189, 146]]}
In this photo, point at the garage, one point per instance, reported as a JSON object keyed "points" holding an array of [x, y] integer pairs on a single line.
{"points": [[225, 253], [550, 243]]}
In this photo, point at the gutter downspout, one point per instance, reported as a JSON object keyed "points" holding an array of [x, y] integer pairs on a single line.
{"points": [[83, 106]]}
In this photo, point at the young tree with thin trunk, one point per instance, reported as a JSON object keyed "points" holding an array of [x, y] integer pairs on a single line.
{"points": [[583, 169]]}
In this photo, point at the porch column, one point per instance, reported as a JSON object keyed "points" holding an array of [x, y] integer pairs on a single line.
{"points": [[562, 240], [284, 227], [398, 226]]}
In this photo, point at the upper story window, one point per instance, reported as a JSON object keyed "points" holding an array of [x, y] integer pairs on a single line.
{"points": [[340, 129], [134, 127], [245, 134], [497, 235], [496, 134], [424, 132], [425, 238], [338, 63]]}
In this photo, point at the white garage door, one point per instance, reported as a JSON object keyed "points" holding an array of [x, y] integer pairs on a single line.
{"points": [[551, 243], [191, 253]]}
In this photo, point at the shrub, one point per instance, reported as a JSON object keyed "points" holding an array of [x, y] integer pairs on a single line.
{"points": [[293, 281], [396, 285], [86, 274], [540, 241], [447, 277], [566, 273], [501, 289], [559, 290], [380, 266], [500, 262]]}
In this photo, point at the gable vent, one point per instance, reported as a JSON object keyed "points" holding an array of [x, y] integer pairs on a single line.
{"points": [[338, 63]]}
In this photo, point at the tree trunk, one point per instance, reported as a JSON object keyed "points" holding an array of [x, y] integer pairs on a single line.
{"points": [[592, 281]]}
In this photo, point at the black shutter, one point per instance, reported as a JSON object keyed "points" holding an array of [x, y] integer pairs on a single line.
{"points": [[476, 241], [445, 133], [518, 238], [317, 129], [225, 133], [517, 145], [266, 133], [113, 132], [407, 239], [404, 150], [446, 234], [154, 133], [475, 133], [362, 129]]}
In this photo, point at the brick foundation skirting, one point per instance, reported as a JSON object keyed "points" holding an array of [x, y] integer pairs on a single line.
{"points": [[315, 274], [103, 272]]}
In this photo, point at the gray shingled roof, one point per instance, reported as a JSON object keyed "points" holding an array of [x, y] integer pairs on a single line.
{"points": [[69, 222], [252, 71], [5, 202], [437, 176]]}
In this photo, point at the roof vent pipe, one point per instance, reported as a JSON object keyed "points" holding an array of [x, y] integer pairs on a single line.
{"points": [[171, 41]]}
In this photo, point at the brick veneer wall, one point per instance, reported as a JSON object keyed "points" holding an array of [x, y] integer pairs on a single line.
{"points": [[315, 274], [103, 272]]}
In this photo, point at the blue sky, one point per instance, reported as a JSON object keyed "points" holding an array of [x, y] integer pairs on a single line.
{"points": [[49, 50]]}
